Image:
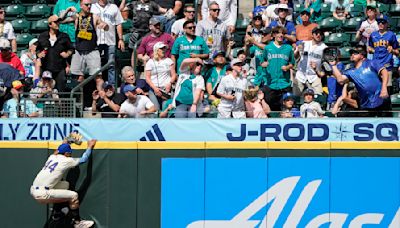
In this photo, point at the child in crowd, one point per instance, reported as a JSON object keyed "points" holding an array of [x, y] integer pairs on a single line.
{"points": [[288, 109], [28, 58], [260, 10], [310, 108], [256, 107]]}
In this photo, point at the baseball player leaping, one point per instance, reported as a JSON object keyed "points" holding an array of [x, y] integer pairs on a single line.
{"points": [[48, 186]]}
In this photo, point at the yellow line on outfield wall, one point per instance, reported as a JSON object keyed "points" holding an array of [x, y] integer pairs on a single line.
{"points": [[209, 145]]}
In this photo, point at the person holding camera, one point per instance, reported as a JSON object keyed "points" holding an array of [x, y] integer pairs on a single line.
{"points": [[160, 75], [107, 101]]}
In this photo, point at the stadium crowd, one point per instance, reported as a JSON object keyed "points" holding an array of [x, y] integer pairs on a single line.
{"points": [[191, 63]]}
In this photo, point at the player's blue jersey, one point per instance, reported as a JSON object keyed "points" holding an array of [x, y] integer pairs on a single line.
{"points": [[380, 43], [367, 82]]}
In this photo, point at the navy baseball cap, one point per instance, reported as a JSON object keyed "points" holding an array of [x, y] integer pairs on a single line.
{"points": [[287, 96], [217, 53], [309, 92], [383, 19], [64, 148]]}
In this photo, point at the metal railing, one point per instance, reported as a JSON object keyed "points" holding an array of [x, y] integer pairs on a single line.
{"points": [[86, 81]]}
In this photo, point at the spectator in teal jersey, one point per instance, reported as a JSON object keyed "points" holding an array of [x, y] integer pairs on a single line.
{"points": [[215, 74], [278, 59], [314, 7], [256, 53], [59, 10], [189, 46]]}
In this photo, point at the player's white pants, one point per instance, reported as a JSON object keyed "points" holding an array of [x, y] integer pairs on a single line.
{"points": [[59, 193]]}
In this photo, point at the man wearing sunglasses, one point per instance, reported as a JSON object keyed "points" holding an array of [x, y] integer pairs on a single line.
{"points": [[7, 30], [177, 28], [213, 30], [383, 45], [227, 11]]}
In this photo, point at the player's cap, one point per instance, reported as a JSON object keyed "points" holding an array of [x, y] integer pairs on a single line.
{"points": [[237, 62], [308, 92], [158, 45], [107, 85], [154, 21], [129, 88], [383, 19], [5, 44], [64, 148], [218, 53], [288, 96], [47, 74], [359, 49], [53, 18], [33, 41], [17, 84]]}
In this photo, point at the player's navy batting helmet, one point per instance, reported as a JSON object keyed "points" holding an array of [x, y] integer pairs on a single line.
{"points": [[64, 148]]}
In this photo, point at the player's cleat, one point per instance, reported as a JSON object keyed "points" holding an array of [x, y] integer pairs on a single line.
{"points": [[84, 224]]}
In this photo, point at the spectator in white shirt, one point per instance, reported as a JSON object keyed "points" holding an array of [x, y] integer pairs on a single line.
{"points": [[177, 28], [228, 12], [136, 106], [7, 30]]}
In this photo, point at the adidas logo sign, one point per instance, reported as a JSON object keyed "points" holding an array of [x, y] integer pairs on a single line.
{"points": [[150, 136]]}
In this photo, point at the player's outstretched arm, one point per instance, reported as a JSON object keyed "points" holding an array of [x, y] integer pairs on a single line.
{"points": [[88, 152]]}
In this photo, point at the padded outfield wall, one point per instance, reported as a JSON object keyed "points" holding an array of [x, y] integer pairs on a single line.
{"points": [[215, 184]]}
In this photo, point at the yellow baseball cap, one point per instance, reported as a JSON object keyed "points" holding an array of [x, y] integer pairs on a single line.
{"points": [[17, 84]]}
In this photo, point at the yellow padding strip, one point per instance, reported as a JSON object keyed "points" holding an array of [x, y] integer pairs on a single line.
{"points": [[209, 145], [365, 145], [24, 144], [299, 145]]}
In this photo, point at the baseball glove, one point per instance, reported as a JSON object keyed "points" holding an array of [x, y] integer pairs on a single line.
{"points": [[74, 137]]}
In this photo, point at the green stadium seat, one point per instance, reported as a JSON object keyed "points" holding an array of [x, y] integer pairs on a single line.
{"points": [[337, 39], [242, 24], [39, 25], [326, 7], [383, 8], [329, 24], [40, 10], [356, 10], [23, 39], [394, 9], [352, 24], [394, 24], [298, 8], [21, 24], [15, 10], [344, 53], [127, 25]]}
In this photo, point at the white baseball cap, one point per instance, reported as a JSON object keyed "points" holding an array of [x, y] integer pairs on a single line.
{"points": [[5, 44], [33, 41], [158, 45], [47, 74]]}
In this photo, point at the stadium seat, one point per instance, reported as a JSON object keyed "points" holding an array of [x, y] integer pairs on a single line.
{"points": [[383, 8], [40, 10], [23, 39], [329, 24], [352, 24], [298, 8], [242, 24], [394, 24], [15, 10], [326, 7], [21, 24], [127, 25], [337, 39], [394, 10], [356, 10], [344, 53], [39, 26]]}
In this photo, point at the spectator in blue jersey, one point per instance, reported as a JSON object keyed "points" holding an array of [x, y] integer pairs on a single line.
{"points": [[383, 44], [189, 46], [372, 91], [334, 88], [283, 11]]}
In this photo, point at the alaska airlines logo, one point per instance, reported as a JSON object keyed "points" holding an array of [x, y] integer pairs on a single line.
{"points": [[278, 195], [151, 135]]}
